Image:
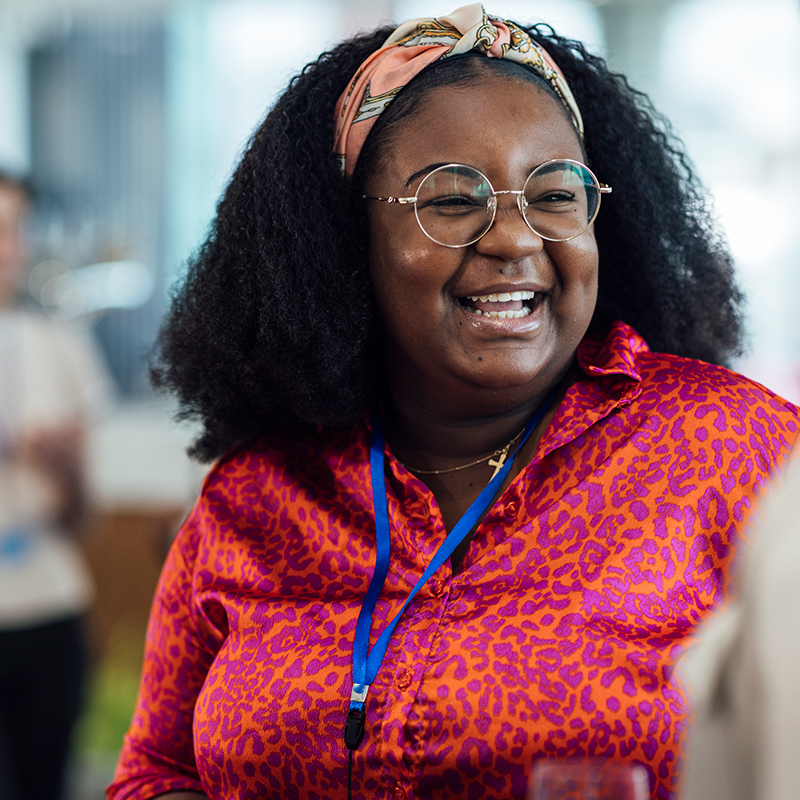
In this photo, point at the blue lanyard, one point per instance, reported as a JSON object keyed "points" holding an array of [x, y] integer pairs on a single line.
{"points": [[366, 664]]}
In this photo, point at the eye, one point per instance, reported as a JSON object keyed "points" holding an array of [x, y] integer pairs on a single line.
{"points": [[453, 203], [454, 190], [553, 198]]}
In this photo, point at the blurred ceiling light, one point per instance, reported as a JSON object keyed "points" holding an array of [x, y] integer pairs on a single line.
{"points": [[118, 284], [67, 294]]}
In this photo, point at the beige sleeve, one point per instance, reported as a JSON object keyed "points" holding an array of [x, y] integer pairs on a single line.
{"points": [[745, 674]]}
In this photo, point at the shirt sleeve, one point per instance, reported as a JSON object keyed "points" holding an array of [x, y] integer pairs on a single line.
{"points": [[157, 754]]}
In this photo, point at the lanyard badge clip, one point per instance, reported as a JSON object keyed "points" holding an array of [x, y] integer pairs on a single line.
{"points": [[356, 717]]}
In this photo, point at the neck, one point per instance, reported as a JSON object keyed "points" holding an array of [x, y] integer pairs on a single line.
{"points": [[431, 439]]}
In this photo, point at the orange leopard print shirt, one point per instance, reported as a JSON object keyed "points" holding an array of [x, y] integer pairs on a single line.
{"points": [[555, 640]]}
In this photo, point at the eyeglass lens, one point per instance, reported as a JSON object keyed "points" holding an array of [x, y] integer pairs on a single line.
{"points": [[455, 204]]}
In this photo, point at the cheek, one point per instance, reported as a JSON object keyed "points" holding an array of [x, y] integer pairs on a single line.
{"points": [[389, 266], [406, 267], [577, 262]]}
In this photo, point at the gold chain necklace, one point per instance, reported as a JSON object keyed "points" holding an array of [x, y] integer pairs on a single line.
{"points": [[495, 459]]}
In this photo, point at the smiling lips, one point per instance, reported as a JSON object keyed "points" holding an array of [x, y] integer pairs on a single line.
{"points": [[506, 305]]}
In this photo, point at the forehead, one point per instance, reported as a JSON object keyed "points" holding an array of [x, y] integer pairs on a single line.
{"points": [[502, 125]]}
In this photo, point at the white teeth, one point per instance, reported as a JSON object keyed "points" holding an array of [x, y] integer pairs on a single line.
{"points": [[504, 297], [523, 312], [501, 297]]}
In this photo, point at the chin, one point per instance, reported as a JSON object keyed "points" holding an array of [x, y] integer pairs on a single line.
{"points": [[518, 378]]}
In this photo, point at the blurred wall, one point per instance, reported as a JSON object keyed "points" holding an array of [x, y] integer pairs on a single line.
{"points": [[98, 133], [131, 115], [14, 94]]}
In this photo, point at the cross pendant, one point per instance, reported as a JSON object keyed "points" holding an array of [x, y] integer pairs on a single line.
{"points": [[498, 463]]}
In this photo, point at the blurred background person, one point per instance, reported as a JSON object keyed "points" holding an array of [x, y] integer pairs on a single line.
{"points": [[745, 742], [52, 383]]}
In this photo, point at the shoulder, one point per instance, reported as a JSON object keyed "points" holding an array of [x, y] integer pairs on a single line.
{"points": [[704, 388], [61, 370], [669, 381], [72, 348], [289, 469], [43, 329], [275, 506], [714, 415], [685, 405]]}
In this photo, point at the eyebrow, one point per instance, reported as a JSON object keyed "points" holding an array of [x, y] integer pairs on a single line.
{"points": [[425, 170], [431, 167]]}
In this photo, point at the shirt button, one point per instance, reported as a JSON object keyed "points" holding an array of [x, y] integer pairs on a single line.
{"points": [[398, 792], [403, 682], [512, 508], [437, 587]]}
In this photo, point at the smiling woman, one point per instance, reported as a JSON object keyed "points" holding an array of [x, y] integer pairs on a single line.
{"points": [[437, 348], [464, 515]]}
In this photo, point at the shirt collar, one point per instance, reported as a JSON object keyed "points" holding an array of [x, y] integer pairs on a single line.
{"points": [[612, 352]]}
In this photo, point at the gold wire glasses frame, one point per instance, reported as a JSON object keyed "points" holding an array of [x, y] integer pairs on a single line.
{"points": [[455, 204]]}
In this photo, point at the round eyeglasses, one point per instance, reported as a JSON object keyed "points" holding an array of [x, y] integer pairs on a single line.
{"points": [[455, 205]]}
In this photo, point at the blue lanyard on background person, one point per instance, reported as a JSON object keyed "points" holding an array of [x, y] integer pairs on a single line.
{"points": [[366, 664]]}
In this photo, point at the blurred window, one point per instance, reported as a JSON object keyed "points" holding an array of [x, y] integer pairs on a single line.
{"points": [[730, 77], [227, 61]]}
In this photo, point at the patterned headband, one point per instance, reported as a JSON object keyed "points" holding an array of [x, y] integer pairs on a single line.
{"points": [[420, 42]]}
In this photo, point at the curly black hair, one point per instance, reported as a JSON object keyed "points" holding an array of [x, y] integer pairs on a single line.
{"points": [[273, 326]]}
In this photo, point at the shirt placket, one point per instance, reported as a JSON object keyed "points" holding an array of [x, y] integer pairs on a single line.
{"points": [[414, 520]]}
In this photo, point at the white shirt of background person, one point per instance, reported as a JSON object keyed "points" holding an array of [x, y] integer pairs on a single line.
{"points": [[53, 385]]}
